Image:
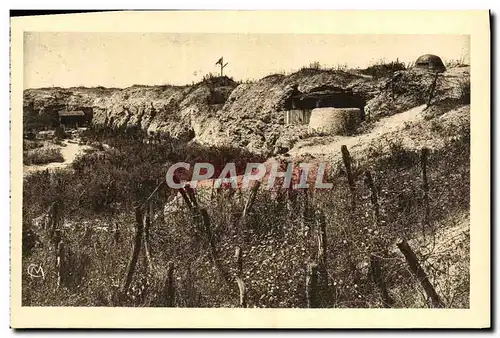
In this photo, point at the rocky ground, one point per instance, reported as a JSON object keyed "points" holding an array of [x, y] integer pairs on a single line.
{"points": [[220, 111]]}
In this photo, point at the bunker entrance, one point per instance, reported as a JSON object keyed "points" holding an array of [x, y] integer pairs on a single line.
{"points": [[298, 106]]}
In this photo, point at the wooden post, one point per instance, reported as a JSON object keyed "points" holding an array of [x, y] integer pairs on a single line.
{"points": [[169, 287], [239, 261], [321, 258], [433, 87], [186, 198], [116, 233], [56, 238], [49, 214], [192, 300], [190, 199], [420, 274], [322, 243], [311, 285], [377, 275], [135, 251], [251, 199], [191, 195], [425, 186], [373, 197], [291, 201], [239, 277], [55, 218], [346, 158], [146, 225], [213, 250], [87, 235], [304, 215], [60, 263], [375, 264]]}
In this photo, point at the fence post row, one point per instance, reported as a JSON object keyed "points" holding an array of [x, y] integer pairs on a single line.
{"points": [[143, 222]]}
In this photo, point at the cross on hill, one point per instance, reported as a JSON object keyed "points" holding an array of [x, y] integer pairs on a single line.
{"points": [[222, 65]]}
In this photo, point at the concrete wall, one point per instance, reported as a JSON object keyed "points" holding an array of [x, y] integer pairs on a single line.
{"points": [[335, 121]]}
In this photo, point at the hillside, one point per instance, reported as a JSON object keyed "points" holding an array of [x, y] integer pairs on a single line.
{"points": [[216, 111], [219, 111]]}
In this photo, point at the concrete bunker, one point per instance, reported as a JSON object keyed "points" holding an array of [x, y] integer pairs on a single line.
{"points": [[325, 105], [431, 63], [73, 118], [334, 120]]}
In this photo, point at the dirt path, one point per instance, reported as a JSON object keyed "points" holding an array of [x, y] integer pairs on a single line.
{"points": [[69, 152], [382, 127]]}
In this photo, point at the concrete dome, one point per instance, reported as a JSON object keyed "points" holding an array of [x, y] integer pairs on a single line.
{"points": [[334, 120], [430, 62]]}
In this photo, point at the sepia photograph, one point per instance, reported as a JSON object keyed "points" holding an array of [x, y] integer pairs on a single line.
{"points": [[251, 170]]}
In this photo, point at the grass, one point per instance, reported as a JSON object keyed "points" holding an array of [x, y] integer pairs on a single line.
{"points": [[383, 68], [316, 66], [31, 144], [43, 155], [455, 63], [106, 181], [278, 239]]}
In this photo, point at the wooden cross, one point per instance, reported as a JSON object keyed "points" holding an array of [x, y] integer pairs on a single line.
{"points": [[222, 65]]}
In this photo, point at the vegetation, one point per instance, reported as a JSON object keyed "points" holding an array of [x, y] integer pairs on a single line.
{"points": [[31, 144], [383, 68], [33, 121], [104, 182], [340, 247], [278, 238], [464, 87], [316, 65], [42, 156], [217, 80], [455, 63]]}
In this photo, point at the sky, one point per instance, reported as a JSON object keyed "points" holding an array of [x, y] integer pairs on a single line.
{"points": [[124, 59]]}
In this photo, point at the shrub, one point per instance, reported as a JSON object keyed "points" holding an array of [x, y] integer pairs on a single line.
{"points": [[42, 156], [464, 87], [314, 65], [213, 80], [109, 179], [383, 68], [31, 144]]}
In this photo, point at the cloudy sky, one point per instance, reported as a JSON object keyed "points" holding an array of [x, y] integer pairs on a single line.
{"points": [[124, 59]]}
